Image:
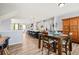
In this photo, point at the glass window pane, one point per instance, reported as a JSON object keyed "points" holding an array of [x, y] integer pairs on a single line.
{"points": [[16, 26], [24, 27]]}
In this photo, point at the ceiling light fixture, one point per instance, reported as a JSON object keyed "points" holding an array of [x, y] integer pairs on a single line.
{"points": [[60, 5]]}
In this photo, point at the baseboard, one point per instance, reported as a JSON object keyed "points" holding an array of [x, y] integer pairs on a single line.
{"points": [[15, 43]]}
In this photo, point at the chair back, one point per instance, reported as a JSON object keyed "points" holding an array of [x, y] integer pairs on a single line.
{"points": [[68, 39], [45, 37], [6, 42]]}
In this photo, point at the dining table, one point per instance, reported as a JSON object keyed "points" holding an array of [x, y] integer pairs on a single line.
{"points": [[58, 37]]}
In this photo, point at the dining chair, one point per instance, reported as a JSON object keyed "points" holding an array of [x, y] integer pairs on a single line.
{"points": [[4, 47], [67, 44], [48, 43], [1, 49]]}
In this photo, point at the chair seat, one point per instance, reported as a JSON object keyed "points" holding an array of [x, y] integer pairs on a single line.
{"points": [[63, 42], [49, 41]]}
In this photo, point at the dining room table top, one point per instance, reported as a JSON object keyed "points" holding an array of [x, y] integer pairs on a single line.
{"points": [[58, 35], [55, 35]]}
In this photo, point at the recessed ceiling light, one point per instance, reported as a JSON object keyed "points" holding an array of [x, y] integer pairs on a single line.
{"points": [[60, 5]]}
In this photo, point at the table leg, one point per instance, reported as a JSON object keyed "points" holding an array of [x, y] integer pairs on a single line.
{"points": [[39, 43], [70, 45], [59, 47], [2, 52]]}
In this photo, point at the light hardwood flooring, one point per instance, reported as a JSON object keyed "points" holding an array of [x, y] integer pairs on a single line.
{"points": [[29, 46]]}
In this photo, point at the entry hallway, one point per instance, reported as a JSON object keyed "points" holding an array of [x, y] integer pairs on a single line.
{"points": [[29, 46]]}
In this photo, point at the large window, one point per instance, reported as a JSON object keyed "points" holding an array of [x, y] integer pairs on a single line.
{"points": [[23, 26], [16, 26]]}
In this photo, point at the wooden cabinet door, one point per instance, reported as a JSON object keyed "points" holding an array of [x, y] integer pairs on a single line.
{"points": [[65, 26], [78, 28], [72, 25], [74, 28]]}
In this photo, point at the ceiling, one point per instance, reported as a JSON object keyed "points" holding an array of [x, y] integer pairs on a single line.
{"points": [[36, 10], [6, 8]]}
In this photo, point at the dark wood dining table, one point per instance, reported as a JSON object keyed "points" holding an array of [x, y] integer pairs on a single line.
{"points": [[57, 37]]}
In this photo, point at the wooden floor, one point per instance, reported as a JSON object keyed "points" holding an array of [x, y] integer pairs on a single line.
{"points": [[29, 46]]}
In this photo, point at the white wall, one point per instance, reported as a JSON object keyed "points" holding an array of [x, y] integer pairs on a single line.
{"points": [[15, 36], [68, 15], [5, 30], [58, 20], [47, 23], [5, 25], [26, 21]]}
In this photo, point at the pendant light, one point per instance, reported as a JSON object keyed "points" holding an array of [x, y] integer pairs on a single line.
{"points": [[60, 5]]}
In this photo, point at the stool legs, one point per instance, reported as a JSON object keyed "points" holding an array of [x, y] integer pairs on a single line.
{"points": [[6, 51], [1, 51]]}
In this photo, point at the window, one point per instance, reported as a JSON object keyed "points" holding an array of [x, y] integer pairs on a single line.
{"points": [[16, 26], [23, 26], [20, 26]]}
